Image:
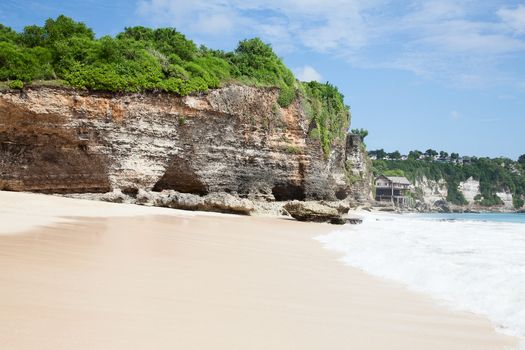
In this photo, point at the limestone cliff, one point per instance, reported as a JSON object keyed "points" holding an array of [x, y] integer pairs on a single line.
{"points": [[431, 191], [235, 140], [470, 189], [432, 196]]}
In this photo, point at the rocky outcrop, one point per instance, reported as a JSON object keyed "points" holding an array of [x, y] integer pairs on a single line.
{"points": [[431, 191], [506, 198], [470, 189], [234, 140], [313, 211], [358, 170], [216, 202]]}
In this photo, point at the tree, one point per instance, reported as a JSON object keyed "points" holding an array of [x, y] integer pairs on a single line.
{"points": [[454, 156], [25, 64], [54, 30], [430, 153], [394, 155], [32, 36], [64, 28], [7, 34], [361, 132], [521, 159], [414, 155], [443, 154], [256, 60], [380, 153], [166, 40]]}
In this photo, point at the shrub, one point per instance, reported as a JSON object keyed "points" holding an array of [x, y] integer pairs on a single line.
{"points": [[328, 111], [518, 202], [255, 61], [315, 134], [394, 172], [16, 84], [286, 96], [454, 195], [7, 34], [24, 64], [292, 149]]}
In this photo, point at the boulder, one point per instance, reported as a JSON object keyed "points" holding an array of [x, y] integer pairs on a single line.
{"points": [[342, 207], [116, 196], [226, 203], [145, 198], [442, 206], [314, 211], [176, 200], [216, 202]]}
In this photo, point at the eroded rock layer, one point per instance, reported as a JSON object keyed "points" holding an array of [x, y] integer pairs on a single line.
{"points": [[235, 140]]}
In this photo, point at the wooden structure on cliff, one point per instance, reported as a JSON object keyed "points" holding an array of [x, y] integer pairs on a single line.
{"points": [[392, 189]]}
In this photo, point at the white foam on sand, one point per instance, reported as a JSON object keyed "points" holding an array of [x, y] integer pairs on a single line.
{"points": [[470, 266], [25, 211]]}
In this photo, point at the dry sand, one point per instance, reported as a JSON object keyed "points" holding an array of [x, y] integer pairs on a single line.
{"points": [[186, 281]]}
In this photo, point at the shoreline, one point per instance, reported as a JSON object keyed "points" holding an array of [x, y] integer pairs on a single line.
{"points": [[194, 280]]}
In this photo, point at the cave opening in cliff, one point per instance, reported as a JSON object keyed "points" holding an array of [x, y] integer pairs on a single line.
{"points": [[181, 177], [288, 192], [341, 193]]}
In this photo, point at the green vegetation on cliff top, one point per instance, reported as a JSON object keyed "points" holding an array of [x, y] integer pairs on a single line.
{"points": [[143, 59], [494, 176]]}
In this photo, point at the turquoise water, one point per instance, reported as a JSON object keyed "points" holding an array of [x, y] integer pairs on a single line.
{"points": [[490, 217]]}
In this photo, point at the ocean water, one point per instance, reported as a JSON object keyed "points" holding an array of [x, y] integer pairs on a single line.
{"points": [[487, 217], [470, 262]]}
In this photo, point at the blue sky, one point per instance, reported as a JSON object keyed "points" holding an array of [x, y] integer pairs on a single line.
{"points": [[417, 74]]}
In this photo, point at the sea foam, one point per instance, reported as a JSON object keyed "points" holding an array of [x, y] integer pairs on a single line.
{"points": [[476, 266]]}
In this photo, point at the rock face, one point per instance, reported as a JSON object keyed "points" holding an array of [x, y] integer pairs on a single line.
{"points": [[358, 170], [234, 140], [431, 191], [470, 189], [507, 198], [433, 197]]}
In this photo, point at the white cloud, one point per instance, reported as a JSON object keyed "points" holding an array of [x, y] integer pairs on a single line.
{"points": [[454, 41], [514, 18], [206, 17], [322, 26], [459, 41], [308, 73], [214, 24]]}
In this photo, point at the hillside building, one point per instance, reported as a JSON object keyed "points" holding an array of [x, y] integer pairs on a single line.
{"points": [[392, 189]]}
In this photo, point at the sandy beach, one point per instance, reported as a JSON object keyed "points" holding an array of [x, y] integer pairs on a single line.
{"points": [[89, 275]]}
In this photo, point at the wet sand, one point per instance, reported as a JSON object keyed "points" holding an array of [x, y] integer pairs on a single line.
{"points": [[186, 281]]}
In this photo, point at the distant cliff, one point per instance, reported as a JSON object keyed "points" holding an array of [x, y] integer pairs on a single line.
{"points": [[482, 184], [236, 139], [432, 195]]}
